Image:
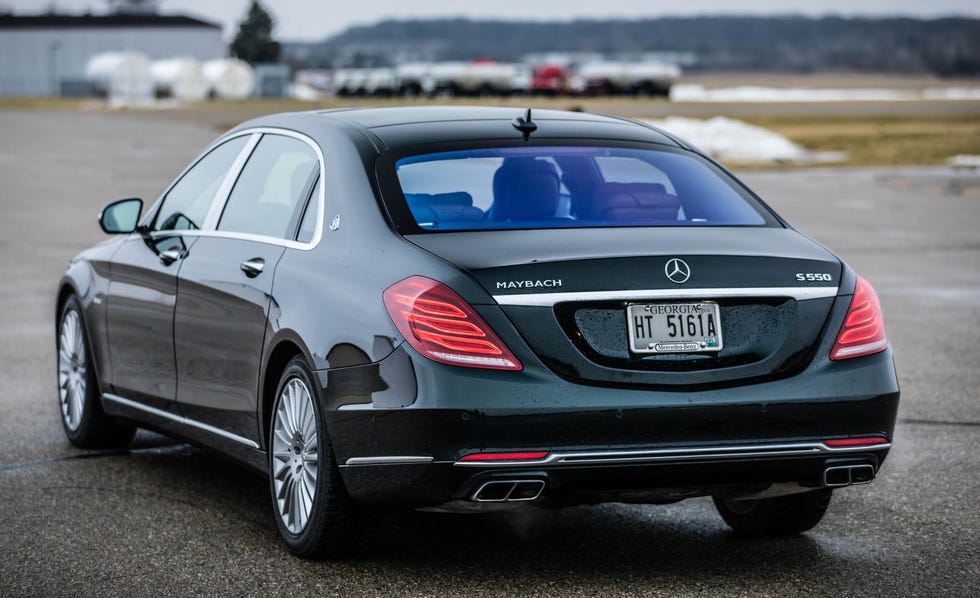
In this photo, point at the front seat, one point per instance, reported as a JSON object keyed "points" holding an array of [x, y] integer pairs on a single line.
{"points": [[524, 188]]}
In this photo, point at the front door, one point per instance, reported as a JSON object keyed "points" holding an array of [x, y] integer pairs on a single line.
{"points": [[140, 319], [141, 298]]}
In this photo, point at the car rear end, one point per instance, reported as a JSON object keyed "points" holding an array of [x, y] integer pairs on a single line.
{"points": [[643, 329]]}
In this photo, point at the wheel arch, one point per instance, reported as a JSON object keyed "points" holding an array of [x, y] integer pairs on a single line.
{"points": [[280, 352], [69, 288]]}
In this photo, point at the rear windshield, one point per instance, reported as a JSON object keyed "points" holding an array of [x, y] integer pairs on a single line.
{"points": [[555, 187]]}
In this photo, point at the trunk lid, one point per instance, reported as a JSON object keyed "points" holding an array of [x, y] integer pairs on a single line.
{"points": [[568, 293]]}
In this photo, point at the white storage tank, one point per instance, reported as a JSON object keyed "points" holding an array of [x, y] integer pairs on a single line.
{"points": [[229, 78], [123, 77], [179, 78]]}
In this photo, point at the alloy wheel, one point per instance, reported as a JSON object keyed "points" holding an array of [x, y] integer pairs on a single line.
{"points": [[72, 373], [294, 455]]}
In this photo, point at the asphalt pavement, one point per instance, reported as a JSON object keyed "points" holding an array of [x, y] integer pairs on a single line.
{"points": [[166, 519]]}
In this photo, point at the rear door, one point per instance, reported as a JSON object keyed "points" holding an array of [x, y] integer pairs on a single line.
{"points": [[226, 285], [143, 291]]}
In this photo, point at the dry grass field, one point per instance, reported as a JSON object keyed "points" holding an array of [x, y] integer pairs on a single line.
{"points": [[896, 133]]}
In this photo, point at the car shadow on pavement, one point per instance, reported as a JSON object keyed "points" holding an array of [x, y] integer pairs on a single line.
{"points": [[613, 542]]}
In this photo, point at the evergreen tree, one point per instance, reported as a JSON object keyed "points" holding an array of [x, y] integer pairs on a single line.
{"points": [[254, 42]]}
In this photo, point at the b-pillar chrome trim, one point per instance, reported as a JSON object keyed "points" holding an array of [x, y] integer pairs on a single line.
{"points": [[180, 419]]}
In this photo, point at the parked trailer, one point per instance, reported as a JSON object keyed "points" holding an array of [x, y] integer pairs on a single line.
{"points": [[366, 82], [123, 77], [477, 78], [179, 78], [632, 78], [229, 78]]}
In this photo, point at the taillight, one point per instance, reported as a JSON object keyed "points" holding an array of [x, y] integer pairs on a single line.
{"points": [[863, 330], [441, 326]]}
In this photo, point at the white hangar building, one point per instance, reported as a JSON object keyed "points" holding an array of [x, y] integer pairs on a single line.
{"points": [[46, 55]]}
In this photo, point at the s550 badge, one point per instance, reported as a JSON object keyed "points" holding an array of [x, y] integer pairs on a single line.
{"points": [[813, 277]]}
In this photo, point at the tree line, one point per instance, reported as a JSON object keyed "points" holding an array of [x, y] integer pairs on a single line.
{"points": [[946, 46]]}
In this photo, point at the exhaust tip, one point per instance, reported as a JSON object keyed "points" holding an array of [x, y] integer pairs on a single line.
{"points": [[848, 475], [509, 491]]}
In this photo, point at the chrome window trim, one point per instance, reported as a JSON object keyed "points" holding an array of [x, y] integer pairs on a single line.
{"points": [[680, 454], [180, 419], [213, 217], [231, 177], [550, 299]]}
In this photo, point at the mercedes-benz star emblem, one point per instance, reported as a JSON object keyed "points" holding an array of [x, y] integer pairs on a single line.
{"points": [[677, 270]]}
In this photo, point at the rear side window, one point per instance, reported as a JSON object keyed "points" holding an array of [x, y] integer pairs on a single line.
{"points": [[555, 187], [272, 189], [188, 201]]}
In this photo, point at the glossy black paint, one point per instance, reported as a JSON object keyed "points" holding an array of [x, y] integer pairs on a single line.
{"points": [[220, 323], [201, 339]]}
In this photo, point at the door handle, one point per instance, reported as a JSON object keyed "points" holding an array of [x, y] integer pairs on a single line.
{"points": [[253, 267], [169, 256]]}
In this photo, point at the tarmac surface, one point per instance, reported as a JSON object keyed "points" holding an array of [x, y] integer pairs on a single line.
{"points": [[167, 519]]}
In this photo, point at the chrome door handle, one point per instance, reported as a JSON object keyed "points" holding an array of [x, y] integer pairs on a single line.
{"points": [[169, 256], [253, 267]]}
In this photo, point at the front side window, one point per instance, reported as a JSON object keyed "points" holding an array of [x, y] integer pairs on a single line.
{"points": [[271, 191], [561, 187], [188, 201]]}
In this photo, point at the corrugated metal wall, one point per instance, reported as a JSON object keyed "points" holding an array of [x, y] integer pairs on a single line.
{"points": [[38, 62]]}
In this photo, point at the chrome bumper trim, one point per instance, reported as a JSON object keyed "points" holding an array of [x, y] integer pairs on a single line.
{"points": [[392, 460], [680, 454]]}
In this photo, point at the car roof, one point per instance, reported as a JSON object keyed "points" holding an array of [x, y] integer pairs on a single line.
{"points": [[399, 127]]}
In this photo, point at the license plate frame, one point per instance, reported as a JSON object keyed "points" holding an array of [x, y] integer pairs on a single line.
{"points": [[651, 334]]}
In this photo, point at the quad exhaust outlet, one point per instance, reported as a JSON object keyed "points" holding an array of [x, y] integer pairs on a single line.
{"points": [[848, 475], [509, 491]]}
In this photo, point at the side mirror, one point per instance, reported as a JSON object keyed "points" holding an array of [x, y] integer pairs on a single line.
{"points": [[121, 217]]}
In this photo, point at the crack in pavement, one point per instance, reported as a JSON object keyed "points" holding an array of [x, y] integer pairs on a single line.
{"points": [[175, 449]]}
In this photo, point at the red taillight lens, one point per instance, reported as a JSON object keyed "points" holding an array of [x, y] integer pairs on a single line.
{"points": [[848, 442], [518, 456], [863, 330], [441, 326]]}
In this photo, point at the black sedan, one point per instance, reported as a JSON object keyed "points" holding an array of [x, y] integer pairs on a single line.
{"points": [[466, 309]]}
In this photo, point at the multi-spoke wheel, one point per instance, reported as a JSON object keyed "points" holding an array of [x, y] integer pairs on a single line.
{"points": [[85, 424], [314, 514], [294, 455], [72, 373]]}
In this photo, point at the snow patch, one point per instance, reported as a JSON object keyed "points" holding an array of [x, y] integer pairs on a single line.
{"points": [[964, 161], [686, 92], [730, 140]]}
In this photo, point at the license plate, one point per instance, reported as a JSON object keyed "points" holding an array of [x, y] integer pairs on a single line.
{"points": [[674, 327]]}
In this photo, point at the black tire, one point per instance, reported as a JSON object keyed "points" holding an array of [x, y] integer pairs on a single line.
{"points": [[779, 516], [85, 423], [335, 527]]}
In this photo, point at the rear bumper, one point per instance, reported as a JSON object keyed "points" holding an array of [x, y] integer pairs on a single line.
{"points": [[399, 448], [441, 484]]}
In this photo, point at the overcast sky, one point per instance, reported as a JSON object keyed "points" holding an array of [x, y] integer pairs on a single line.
{"points": [[316, 19]]}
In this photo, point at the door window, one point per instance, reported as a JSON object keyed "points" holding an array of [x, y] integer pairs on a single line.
{"points": [[187, 202], [272, 189]]}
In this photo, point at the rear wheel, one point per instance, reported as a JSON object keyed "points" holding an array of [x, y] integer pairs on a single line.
{"points": [[783, 515], [82, 417], [313, 512]]}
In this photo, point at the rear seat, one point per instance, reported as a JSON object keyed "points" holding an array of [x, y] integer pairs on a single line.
{"points": [[633, 201], [443, 207]]}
